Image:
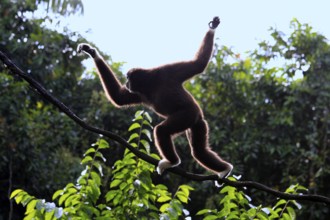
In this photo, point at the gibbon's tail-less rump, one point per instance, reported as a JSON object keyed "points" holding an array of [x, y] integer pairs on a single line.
{"points": [[161, 89]]}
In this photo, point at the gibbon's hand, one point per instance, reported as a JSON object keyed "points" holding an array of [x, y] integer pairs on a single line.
{"points": [[88, 49], [214, 23]]}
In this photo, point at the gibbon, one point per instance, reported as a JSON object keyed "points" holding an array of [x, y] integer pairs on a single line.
{"points": [[161, 89]]}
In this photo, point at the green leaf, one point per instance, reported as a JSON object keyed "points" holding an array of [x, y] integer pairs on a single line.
{"points": [[31, 215], [286, 216], [146, 145], [204, 211], [138, 113], [30, 206], [134, 126], [115, 183], [117, 198], [86, 159], [57, 193], [161, 186], [49, 215], [15, 192], [138, 118], [100, 155], [134, 145], [96, 178], [280, 202], [186, 189], [273, 213], [251, 212], [164, 207], [94, 191], [302, 188], [72, 190], [110, 195], [132, 137], [68, 201], [69, 185], [103, 144], [147, 116], [63, 198], [82, 181], [211, 217], [164, 198], [72, 200], [233, 215], [182, 197], [228, 189], [225, 211], [123, 185], [129, 161], [20, 196], [99, 167], [291, 212], [147, 133], [90, 150], [291, 189], [147, 123]]}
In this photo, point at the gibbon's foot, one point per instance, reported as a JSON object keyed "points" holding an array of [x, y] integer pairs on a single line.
{"points": [[224, 174], [214, 23], [165, 164], [227, 172], [88, 49]]}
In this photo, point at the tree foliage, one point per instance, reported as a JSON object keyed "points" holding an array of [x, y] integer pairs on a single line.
{"points": [[132, 194], [38, 143], [270, 111]]}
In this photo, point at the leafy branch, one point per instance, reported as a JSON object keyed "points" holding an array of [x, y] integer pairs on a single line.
{"points": [[177, 170]]}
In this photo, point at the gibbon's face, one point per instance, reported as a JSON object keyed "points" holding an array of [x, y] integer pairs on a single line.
{"points": [[135, 80]]}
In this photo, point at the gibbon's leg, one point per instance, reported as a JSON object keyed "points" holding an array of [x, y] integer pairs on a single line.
{"points": [[163, 134], [198, 140]]}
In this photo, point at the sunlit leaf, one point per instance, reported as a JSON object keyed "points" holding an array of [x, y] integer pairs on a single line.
{"points": [[103, 144], [204, 211], [133, 136], [15, 192], [57, 193], [211, 217], [164, 207], [63, 198], [90, 150], [30, 206], [182, 197], [134, 126], [291, 212], [115, 183], [164, 198], [86, 159]]}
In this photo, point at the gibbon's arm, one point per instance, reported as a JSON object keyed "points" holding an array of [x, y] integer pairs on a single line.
{"points": [[187, 69], [115, 91]]}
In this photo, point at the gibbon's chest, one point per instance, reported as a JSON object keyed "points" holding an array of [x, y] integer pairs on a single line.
{"points": [[166, 100]]}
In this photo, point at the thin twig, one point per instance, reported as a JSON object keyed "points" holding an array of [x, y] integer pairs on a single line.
{"points": [[176, 170]]}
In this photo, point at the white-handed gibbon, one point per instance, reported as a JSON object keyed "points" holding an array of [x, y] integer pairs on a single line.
{"points": [[161, 89]]}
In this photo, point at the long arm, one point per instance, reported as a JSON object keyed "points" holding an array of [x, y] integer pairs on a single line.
{"points": [[187, 69], [115, 91]]}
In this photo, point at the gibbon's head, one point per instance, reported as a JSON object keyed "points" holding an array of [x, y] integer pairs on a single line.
{"points": [[137, 80]]}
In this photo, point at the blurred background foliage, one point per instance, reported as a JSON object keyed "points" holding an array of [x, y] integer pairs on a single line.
{"points": [[268, 110]]}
